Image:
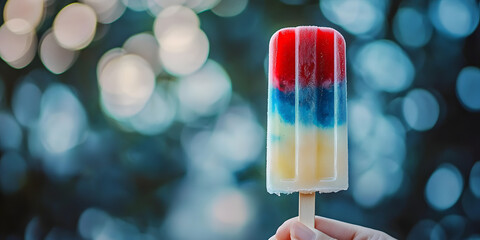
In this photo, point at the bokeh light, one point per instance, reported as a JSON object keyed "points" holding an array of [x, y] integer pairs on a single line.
{"points": [[178, 39], [107, 10], [184, 47], [365, 113], [92, 222], [157, 114], [236, 130], [230, 8], [136, 5], [126, 82], [384, 66], [230, 212], [411, 27], [34, 229], [23, 16], [183, 58], [218, 196], [74, 26], [169, 3], [453, 18], [173, 17], [198, 5], [370, 188], [468, 87], [446, 176], [205, 92], [154, 7], [426, 229], [55, 58], [359, 17], [12, 135], [17, 49], [474, 180], [63, 122], [374, 163], [453, 225], [146, 46], [378, 153], [26, 103], [107, 57], [420, 109]]}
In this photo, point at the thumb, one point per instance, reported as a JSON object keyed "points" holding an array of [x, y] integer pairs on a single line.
{"points": [[299, 231]]}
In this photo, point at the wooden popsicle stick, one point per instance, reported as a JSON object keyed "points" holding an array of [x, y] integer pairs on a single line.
{"points": [[306, 209]]}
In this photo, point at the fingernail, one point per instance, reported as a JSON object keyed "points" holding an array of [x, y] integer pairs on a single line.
{"points": [[302, 232]]}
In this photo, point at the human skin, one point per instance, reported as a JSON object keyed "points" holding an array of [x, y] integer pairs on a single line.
{"points": [[326, 228]]}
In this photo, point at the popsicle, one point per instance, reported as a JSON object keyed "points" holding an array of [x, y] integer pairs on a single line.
{"points": [[307, 130]]}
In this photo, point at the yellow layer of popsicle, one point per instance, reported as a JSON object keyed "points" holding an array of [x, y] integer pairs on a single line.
{"points": [[314, 159]]}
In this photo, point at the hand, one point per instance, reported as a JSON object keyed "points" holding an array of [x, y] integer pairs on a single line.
{"points": [[326, 228]]}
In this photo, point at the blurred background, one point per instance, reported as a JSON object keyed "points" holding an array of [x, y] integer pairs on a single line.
{"points": [[146, 119]]}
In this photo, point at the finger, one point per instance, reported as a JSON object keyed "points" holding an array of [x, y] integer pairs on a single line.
{"points": [[283, 232], [336, 229], [272, 238], [301, 232], [342, 230]]}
